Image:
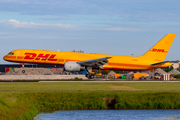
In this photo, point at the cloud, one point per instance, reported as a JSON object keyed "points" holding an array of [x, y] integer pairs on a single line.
{"points": [[121, 29], [131, 10], [17, 24]]}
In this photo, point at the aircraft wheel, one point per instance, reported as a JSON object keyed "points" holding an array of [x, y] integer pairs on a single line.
{"points": [[87, 75], [92, 76], [23, 71]]}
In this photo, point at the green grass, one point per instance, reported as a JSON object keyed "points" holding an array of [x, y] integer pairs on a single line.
{"points": [[51, 87], [25, 100]]}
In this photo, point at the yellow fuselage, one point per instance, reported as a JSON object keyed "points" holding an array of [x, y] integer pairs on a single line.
{"points": [[59, 58]]}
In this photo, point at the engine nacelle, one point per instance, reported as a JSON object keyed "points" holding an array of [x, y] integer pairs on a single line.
{"points": [[73, 67]]}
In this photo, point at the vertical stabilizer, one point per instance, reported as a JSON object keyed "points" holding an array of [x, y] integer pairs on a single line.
{"points": [[159, 50]]}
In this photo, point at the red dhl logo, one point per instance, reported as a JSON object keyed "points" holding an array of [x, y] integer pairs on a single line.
{"points": [[158, 50], [34, 56]]}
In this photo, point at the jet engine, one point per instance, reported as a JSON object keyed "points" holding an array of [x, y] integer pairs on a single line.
{"points": [[73, 67]]}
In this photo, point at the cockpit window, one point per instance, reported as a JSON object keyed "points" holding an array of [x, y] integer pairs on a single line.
{"points": [[10, 53]]}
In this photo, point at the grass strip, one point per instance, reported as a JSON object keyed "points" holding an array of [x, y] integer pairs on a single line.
{"points": [[25, 100]]}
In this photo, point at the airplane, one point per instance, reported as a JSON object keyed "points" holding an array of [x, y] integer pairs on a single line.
{"points": [[75, 61]]}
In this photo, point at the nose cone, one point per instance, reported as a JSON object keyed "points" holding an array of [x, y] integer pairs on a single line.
{"points": [[5, 57], [10, 56]]}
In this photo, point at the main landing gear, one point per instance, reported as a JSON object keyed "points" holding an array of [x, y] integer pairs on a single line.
{"points": [[90, 76], [89, 71]]}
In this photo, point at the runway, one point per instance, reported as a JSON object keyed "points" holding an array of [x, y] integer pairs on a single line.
{"points": [[90, 81], [111, 81]]}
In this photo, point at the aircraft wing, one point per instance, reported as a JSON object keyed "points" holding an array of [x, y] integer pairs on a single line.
{"points": [[95, 62]]}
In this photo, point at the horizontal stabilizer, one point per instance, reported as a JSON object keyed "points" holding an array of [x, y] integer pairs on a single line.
{"points": [[160, 63]]}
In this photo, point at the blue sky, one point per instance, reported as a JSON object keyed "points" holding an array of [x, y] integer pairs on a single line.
{"points": [[95, 26]]}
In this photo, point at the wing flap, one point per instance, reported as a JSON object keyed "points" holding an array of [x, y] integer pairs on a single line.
{"points": [[95, 62]]}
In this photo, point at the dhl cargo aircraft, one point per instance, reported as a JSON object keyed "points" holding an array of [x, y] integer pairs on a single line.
{"points": [[74, 61]]}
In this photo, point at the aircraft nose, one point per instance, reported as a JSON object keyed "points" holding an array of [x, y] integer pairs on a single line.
{"points": [[5, 57]]}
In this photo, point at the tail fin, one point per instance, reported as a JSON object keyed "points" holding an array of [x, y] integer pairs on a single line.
{"points": [[159, 50]]}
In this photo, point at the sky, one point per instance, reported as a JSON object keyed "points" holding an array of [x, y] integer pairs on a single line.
{"points": [[118, 27]]}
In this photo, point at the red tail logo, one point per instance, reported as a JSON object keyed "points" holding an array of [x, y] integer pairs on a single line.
{"points": [[158, 50]]}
